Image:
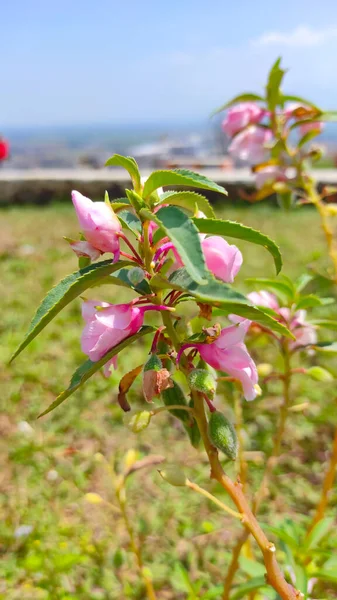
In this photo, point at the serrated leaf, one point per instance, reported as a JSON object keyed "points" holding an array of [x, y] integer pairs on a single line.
{"points": [[131, 222], [290, 98], [135, 200], [185, 237], [283, 535], [238, 231], [188, 200], [119, 203], [221, 295], [320, 530], [281, 288], [275, 78], [128, 163], [89, 368], [64, 292], [179, 177], [243, 589], [246, 97]]}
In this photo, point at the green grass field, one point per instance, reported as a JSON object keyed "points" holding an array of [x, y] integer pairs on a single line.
{"points": [[77, 550]]}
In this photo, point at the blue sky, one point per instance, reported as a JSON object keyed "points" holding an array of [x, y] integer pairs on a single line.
{"points": [[85, 61]]}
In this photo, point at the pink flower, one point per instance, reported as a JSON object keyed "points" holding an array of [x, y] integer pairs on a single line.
{"points": [[265, 299], [228, 353], [303, 331], [250, 144], [269, 175], [99, 224], [241, 115], [222, 259], [109, 324], [314, 126]]}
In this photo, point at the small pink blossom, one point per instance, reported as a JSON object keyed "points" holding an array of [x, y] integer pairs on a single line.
{"points": [[222, 259], [228, 353], [99, 224], [269, 175], [265, 299], [308, 127], [250, 144], [304, 332], [108, 325], [241, 115]]}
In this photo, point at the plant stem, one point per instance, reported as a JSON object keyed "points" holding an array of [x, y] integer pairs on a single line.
{"points": [[200, 490], [327, 486], [239, 431], [261, 492], [120, 494], [274, 574]]}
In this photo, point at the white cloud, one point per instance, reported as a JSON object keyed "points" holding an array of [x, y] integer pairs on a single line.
{"points": [[301, 36]]}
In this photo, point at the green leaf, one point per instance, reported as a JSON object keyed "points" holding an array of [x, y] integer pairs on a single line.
{"points": [[185, 237], [128, 163], [131, 222], [309, 301], [252, 567], [326, 323], [301, 579], [290, 98], [281, 288], [320, 530], [175, 395], [132, 278], [179, 177], [188, 200], [119, 203], [221, 295], [240, 591], [236, 230], [288, 539], [326, 575], [135, 200], [64, 292], [246, 97], [89, 368], [275, 78], [308, 137], [326, 347], [303, 281]]}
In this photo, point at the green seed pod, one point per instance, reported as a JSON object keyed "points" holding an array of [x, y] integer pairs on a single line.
{"points": [[319, 374], [153, 364], [223, 435], [174, 475], [202, 381]]}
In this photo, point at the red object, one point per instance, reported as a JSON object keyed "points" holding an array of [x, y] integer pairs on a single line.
{"points": [[4, 150]]}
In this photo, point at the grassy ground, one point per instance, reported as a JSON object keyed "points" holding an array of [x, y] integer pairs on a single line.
{"points": [[78, 550]]}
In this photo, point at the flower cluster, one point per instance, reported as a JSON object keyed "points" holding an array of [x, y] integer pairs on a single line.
{"points": [[252, 131], [107, 325]]}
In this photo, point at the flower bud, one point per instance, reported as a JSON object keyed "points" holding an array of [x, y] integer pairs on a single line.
{"points": [[136, 422], [319, 374], [174, 475], [223, 435], [202, 381], [153, 364]]}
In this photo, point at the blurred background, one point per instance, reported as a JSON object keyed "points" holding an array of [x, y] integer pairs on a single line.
{"points": [[83, 80]]}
